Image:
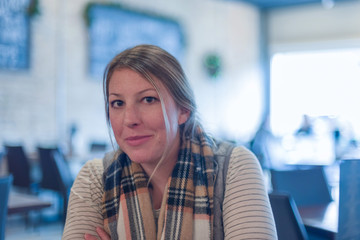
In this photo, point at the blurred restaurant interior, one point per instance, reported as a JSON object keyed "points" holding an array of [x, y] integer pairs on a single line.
{"points": [[280, 77]]}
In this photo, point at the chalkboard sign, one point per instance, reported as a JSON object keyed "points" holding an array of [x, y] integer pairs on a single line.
{"points": [[113, 29], [14, 34]]}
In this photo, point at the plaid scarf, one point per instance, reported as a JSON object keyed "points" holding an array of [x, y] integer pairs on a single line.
{"points": [[186, 211]]}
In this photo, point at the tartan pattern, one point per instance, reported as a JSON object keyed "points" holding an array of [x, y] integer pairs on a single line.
{"points": [[189, 196]]}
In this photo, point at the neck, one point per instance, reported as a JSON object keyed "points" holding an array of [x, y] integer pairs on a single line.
{"points": [[159, 180], [160, 177], [164, 166], [160, 172]]}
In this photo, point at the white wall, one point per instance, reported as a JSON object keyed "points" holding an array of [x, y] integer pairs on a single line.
{"points": [[314, 27], [39, 105]]}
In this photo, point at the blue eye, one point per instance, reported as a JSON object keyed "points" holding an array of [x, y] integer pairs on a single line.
{"points": [[149, 99], [116, 103]]}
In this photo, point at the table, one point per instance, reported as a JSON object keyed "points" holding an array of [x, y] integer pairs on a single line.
{"points": [[22, 203], [321, 220]]}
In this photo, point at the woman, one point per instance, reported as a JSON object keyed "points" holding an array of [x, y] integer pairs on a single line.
{"points": [[168, 179]]}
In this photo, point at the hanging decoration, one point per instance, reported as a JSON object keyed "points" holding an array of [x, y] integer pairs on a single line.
{"points": [[33, 9], [213, 65]]}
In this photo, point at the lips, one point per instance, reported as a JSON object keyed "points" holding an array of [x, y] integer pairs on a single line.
{"points": [[137, 140]]}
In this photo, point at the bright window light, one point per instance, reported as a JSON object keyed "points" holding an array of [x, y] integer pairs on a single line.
{"points": [[324, 85]]}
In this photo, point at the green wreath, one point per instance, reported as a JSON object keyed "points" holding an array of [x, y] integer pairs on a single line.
{"points": [[212, 64]]}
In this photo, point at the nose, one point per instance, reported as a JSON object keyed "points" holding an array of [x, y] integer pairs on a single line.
{"points": [[131, 116]]}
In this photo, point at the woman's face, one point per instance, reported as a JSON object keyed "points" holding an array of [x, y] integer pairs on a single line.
{"points": [[137, 119]]}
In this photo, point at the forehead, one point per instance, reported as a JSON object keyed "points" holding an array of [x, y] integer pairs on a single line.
{"points": [[128, 79]]}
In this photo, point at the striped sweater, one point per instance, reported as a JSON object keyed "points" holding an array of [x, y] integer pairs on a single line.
{"points": [[246, 209]]}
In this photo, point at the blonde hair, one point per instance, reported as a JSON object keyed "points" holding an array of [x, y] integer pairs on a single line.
{"points": [[148, 61]]}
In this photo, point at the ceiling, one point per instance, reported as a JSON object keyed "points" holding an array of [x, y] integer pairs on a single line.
{"points": [[266, 4]]}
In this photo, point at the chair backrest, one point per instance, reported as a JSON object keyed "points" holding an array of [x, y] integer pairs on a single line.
{"points": [[307, 186], [56, 174], [64, 178], [1, 158], [49, 178], [19, 166], [63, 172], [5, 184], [349, 195], [98, 147], [287, 219], [2, 170]]}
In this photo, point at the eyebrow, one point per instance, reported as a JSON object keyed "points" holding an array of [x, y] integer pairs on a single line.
{"points": [[141, 92]]}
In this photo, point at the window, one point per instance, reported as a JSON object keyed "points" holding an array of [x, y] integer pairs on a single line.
{"points": [[323, 88], [14, 35]]}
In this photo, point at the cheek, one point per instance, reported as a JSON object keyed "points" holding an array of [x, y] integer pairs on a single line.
{"points": [[155, 121], [116, 122]]}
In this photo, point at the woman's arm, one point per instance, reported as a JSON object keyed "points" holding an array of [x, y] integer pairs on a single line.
{"points": [[246, 209], [84, 209]]}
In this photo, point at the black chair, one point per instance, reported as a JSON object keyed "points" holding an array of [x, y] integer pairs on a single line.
{"points": [[2, 165], [287, 218], [56, 174], [307, 185], [48, 167], [19, 166], [98, 147], [1, 159], [64, 177], [5, 185]]}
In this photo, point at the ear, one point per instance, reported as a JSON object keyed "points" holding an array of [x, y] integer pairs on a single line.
{"points": [[183, 115]]}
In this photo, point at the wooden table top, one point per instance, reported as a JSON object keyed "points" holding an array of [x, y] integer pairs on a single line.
{"points": [[322, 218], [21, 202]]}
